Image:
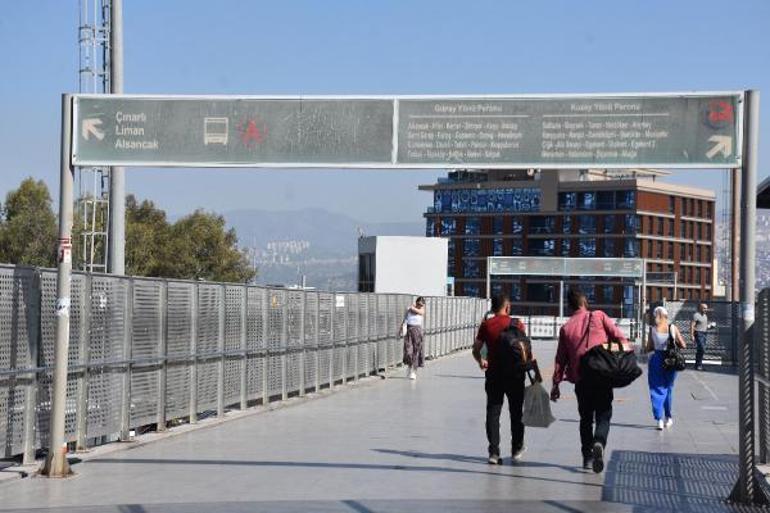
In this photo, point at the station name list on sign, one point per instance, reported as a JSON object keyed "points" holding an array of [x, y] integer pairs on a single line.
{"points": [[130, 132]]}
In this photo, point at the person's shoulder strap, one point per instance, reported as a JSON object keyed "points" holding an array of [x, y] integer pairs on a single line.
{"points": [[588, 328]]}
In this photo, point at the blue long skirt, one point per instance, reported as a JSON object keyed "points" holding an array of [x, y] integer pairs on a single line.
{"points": [[661, 382]]}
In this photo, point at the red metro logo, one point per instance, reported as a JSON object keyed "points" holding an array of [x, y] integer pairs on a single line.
{"points": [[720, 113], [252, 132]]}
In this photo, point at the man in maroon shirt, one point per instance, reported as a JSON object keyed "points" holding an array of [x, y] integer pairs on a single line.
{"points": [[582, 332], [500, 381]]}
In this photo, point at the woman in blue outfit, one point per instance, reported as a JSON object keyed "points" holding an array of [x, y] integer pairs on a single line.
{"points": [[660, 380]]}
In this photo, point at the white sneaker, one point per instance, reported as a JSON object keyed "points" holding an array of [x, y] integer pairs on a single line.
{"points": [[660, 425], [669, 422], [412, 375]]}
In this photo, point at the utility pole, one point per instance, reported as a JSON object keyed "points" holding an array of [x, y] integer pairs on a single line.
{"points": [[56, 464], [117, 217]]}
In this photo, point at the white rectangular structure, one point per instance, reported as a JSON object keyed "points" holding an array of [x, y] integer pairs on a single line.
{"points": [[407, 265]]}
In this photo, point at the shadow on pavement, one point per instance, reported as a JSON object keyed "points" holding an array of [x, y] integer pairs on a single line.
{"points": [[696, 483]]}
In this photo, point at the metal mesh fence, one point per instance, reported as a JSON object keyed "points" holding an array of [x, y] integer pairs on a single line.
{"points": [[146, 352], [720, 339]]}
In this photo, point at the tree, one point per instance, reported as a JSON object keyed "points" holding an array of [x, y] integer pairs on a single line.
{"points": [[28, 226], [202, 249], [147, 238]]}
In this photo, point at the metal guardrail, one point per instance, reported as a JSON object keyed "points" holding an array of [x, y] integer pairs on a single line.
{"points": [[149, 351]]}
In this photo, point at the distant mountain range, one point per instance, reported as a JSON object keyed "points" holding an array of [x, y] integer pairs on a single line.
{"points": [[330, 263]]}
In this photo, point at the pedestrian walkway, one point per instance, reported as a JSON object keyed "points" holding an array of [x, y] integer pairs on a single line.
{"points": [[398, 445]]}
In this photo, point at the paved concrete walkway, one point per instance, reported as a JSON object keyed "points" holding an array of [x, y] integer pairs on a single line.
{"points": [[397, 445]]}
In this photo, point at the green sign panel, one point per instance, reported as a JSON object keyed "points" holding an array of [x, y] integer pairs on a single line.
{"points": [[676, 130], [213, 132]]}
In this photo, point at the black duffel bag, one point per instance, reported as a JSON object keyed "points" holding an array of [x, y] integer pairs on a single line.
{"points": [[609, 363]]}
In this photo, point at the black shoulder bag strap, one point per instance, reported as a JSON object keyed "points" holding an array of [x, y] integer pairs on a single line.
{"points": [[588, 328]]}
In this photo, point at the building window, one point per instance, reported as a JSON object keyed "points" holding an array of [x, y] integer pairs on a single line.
{"points": [[448, 226], [586, 224], [451, 257], [471, 269], [567, 201], [430, 227], [590, 292], [515, 292], [682, 229], [587, 201], [605, 200], [542, 247], [609, 247], [587, 247], [566, 245], [487, 200], [471, 247], [517, 247], [631, 224], [671, 204], [498, 225], [631, 248], [697, 254], [366, 272], [496, 287], [608, 293], [472, 226], [625, 200], [609, 224], [517, 226], [542, 224], [566, 224], [670, 252], [472, 290], [497, 247]]}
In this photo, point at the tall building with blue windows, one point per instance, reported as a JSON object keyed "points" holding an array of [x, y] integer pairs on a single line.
{"points": [[575, 213]]}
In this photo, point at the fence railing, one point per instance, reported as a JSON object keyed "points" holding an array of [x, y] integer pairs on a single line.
{"points": [[721, 340], [146, 352], [762, 372]]}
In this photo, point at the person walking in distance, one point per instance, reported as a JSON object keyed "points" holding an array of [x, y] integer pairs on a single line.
{"points": [[503, 379], [583, 331], [659, 378], [414, 354], [699, 332]]}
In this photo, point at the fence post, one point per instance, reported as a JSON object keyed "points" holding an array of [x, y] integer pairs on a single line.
{"points": [[332, 334], [81, 422], [245, 356], [302, 307], [128, 337], [34, 334], [221, 350], [194, 355], [265, 339], [317, 314], [284, 345], [163, 355]]}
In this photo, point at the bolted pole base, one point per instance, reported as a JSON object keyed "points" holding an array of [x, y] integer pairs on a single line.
{"points": [[56, 464], [759, 489]]}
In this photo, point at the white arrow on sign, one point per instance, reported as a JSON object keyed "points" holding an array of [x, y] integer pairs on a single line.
{"points": [[722, 144], [90, 127]]}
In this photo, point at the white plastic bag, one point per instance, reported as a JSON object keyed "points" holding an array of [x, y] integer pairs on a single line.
{"points": [[537, 407]]}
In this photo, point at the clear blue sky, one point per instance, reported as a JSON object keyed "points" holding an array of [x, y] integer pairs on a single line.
{"points": [[330, 46]]}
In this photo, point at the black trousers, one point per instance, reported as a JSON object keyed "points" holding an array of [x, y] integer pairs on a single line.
{"points": [[499, 387], [700, 347], [595, 407]]}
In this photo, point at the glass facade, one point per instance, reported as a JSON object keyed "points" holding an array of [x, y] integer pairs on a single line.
{"points": [[451, 257], [430, 227], [566, 224], [487, 200], [631, 248], [597, 200], [497, 247], [542, 247], [586, 224], [567, 201], [517, 226], [471, 248], [471, 269], [498, 225], [472, 226], [542, 224], [609, 248], [609, 224], [472, 290], [587, 200], [632, 223], [587, 247], [566, 245], [448, 226], [517, 247]]}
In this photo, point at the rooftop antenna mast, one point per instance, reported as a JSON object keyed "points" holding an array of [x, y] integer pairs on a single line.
{"points": [[93, 182]]}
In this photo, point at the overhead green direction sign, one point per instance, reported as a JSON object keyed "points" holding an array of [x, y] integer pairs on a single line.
{"points": [[676, 130]]}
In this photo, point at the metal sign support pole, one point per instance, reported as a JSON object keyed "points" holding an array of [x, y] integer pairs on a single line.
{"points": [[747, 490], [561, 299], [489, 277], [117, 218], [56, 464]]}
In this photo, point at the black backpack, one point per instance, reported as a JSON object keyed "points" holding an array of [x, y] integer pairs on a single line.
{"points": [[512, 352]]}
